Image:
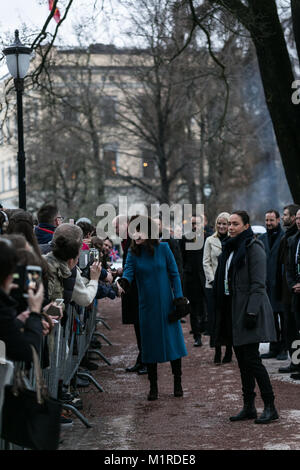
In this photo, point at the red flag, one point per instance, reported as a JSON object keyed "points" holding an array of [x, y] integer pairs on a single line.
{"points": [[56, 15]]}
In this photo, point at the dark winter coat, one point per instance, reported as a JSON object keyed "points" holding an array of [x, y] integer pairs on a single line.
{"points": [[175, 248], [193, 272], [17, 342], [130, 300], [44, 233], [292, 275], [282, 290], [249, 295], [272, 260]]}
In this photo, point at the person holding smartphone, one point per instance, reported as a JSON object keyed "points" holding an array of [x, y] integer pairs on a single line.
{"points": [[18, 340]]}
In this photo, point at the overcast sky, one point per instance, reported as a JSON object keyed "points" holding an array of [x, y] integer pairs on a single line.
{"points": [[33, 13]]}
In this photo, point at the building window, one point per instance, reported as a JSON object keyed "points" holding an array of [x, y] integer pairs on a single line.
{"points": [[2, 179], [148, 164], [9, 178], [8, 129], [110, 162], [108, 110], [70, 110]]}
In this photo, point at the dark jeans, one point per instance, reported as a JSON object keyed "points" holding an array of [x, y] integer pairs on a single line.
{"points": [[152, 369], [251, 370]]}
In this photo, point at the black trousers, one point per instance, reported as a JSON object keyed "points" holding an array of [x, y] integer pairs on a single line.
{"points": [[139, 341], [252, 370], [280, 344], [152, 369], [291, 328], [197, 317]]}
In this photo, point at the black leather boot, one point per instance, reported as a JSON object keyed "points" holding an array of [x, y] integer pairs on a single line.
{"points": [[228, 355], [153, 394], [248, 412], [178, 392], [269, 414], [217, 358]]}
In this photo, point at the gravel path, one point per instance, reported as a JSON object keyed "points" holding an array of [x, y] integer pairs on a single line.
{"points": [[123, 419]]}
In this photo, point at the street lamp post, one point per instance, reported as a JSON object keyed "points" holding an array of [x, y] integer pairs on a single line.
{"points": [[17, 60]]}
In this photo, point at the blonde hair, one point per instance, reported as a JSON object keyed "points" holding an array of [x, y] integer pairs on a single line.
{"points": [[222, 215]]}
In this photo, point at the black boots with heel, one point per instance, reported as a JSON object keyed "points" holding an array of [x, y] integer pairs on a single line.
{"points": [[153, 394], [178, 392]]}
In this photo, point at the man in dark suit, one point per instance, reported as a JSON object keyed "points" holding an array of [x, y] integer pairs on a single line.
{"points": [[130, 301], [194, 279], [282, 289], [271, 240], [293, 281]]}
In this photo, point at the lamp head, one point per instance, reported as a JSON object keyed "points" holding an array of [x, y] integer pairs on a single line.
{"points": [[17, 58]]}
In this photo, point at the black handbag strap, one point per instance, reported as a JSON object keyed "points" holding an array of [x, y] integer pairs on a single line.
{"points": [[19, 383], [41, 388]]}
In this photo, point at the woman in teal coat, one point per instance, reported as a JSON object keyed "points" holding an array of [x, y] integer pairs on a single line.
{"points": [[153, 266]]}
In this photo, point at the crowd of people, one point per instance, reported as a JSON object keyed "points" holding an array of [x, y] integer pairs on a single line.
{"points": [[238, 288], [242, 290], [40, 277]]}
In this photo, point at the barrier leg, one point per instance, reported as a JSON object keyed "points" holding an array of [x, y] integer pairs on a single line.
{"points": [[77, 413], [100, 354], [100, 320], [104, 337], [91, 379]]}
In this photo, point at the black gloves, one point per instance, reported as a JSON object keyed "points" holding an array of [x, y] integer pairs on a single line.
{"points": [[124, 284], [250, 321], [182, 308]]}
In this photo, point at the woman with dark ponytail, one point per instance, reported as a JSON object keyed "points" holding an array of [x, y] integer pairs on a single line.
{"points": [[244, 316], [153, 266]]}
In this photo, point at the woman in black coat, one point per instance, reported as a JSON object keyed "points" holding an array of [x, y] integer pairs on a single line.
{"points": [[244, 316], [17, 340]]}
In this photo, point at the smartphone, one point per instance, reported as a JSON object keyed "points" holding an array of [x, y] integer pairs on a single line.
{"points": [[33, 279], [53, 311], [94, 255]]}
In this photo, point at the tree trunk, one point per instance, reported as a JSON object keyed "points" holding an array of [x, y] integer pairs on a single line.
{"points": [[277, 78], [262, 21], [295, 7]]}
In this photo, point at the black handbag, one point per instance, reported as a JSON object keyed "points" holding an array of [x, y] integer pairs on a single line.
{"points": [[30, 419]]}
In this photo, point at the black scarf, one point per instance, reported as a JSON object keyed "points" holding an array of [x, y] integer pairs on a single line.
{"points": [[238, 245]]}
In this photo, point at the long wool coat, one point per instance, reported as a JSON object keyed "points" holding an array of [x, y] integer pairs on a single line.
{"points": [[156, 276], [272, 255], [212, 250], [249, 295]]}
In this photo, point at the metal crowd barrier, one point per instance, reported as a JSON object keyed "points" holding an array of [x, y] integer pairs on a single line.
{"points": [[67, 344]]}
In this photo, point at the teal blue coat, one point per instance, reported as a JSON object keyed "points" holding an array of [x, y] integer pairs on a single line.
{"points": [[158, 283]]}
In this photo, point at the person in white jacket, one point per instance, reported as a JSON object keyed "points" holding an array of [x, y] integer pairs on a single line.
{"points": [[62, 261], [212, 250]]}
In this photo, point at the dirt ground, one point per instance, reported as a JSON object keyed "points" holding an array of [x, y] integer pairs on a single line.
{"points": [[123, 419]]}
